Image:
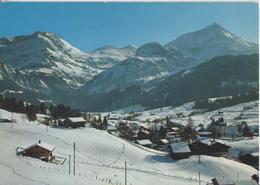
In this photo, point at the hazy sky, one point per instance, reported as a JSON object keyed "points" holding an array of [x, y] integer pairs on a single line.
{"points": [[92, 25]]}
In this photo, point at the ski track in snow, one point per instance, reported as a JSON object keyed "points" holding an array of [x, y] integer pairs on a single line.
{"points": [[110, 165], [15, 172]]}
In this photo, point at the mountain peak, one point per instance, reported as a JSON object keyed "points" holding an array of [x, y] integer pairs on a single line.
{"points": [[215, 26], [211, 41], [151, 49]]}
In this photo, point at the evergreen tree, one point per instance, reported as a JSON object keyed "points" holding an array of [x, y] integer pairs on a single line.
{"points": [[246, 131], [104, 123], [188, 133], [31, 112], [42, 108]]}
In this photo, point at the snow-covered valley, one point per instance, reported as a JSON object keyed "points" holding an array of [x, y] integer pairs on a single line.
{"points": [[100, 156]]}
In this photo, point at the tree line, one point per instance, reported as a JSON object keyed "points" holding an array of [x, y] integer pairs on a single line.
{"points": [[55, 111], [225, 102]]}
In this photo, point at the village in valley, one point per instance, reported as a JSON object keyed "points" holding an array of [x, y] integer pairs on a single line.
{"points": [[127, 93], [181, 134]]}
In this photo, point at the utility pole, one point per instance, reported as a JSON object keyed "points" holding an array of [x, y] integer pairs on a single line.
{"points": [[12, 119], [47, 127], [199, 178], [199, 159], [74, 147], [69, 164], [125, 175]]}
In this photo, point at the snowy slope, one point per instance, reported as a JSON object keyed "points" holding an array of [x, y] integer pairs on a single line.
{"points": [[99, 158], [212, 41], [229, 114]]}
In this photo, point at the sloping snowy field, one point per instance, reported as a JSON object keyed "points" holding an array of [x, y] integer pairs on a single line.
{"points": [[229, 113], [100, 159]]}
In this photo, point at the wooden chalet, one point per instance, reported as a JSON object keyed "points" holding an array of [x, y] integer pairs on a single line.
{"points": [[39, 150], [218, 149], [199, 148], [74, 122], [180, 150], [251, 159], [209, 147]]}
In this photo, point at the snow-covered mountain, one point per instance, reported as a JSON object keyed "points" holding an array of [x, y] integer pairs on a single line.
{"points": [[47, 63], [151, 61], [221, 76], [212, 41]]}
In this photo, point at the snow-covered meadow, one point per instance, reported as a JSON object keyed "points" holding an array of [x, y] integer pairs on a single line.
{"points": [[228, 113], [100, 159]]}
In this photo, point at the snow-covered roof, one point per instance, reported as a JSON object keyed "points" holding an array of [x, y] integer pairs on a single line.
{"points": [[175, 128], [42, 145], [46, 146], [144, 142], [172, 133], [180, 147], [207, 141], [211, 142], [255, 154], [76, 119], [165, 141]]}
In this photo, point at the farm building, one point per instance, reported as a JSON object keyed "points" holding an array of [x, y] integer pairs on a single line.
{"points": [[251, 159], [74, 122], [218, 149], [39, 150], [209, 147], [199, 148], [180, 150]]}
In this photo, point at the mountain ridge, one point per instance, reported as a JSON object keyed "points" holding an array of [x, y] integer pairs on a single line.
{"points": [[47, 64]]}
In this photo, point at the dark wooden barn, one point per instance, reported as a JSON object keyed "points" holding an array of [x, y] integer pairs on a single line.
{"points": [[39, 150], [218, 149], [199, 148], [180, 150], [251, 159], [75, 122]]}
